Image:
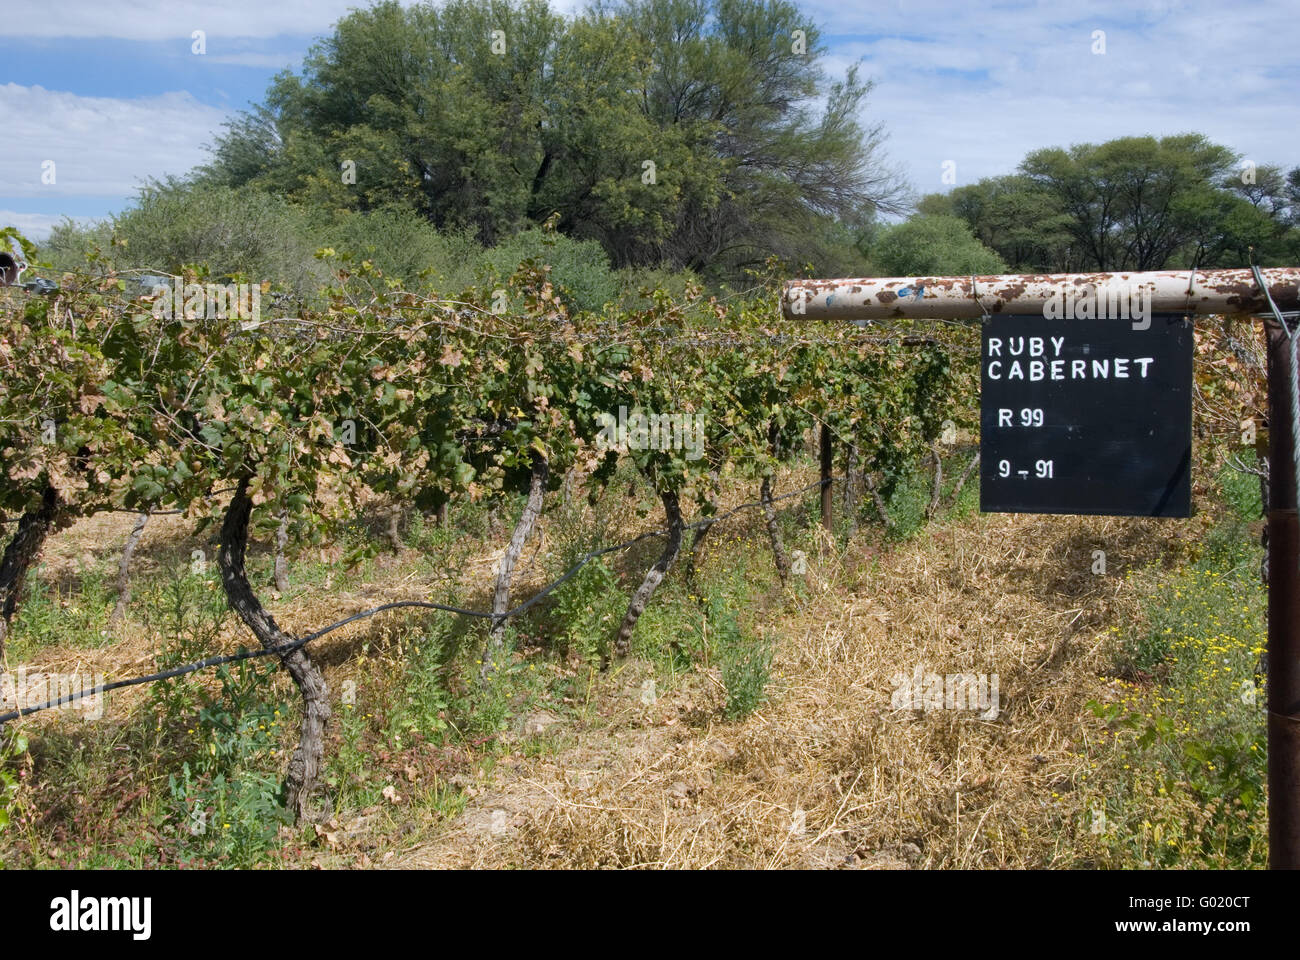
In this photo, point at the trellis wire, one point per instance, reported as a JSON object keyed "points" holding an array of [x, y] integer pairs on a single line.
{"points": [[366, 614]]}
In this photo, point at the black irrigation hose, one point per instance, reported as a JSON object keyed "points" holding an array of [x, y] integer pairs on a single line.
{"points": [[150, 678], [365, 614]]}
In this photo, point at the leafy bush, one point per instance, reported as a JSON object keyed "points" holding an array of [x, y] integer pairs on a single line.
{"points": [[579, 268], [1182, 781], [49, 616], [230, 792], [229, 230], [1241, 493], [407, 247], [227, 796], [11, 749], [588, 608], [632, 281], [186, 612], [420, 708], [73, 245], [933, 245]]}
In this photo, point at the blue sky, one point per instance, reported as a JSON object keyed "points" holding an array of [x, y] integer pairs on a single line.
{"points": [[112, 93]]}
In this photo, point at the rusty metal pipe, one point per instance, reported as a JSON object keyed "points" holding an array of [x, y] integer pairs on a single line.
{"points": [[955, 298]]}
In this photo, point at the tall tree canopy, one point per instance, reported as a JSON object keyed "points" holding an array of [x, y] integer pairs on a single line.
{"points": [[697, 133], [1134, 203]]}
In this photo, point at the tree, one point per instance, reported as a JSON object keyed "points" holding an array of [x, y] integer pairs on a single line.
{"points": [[677, 131], [1133, 203], [933, 245], [1023, 222]]}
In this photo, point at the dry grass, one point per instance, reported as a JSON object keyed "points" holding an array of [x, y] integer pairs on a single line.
{"points": [[829, 775]]}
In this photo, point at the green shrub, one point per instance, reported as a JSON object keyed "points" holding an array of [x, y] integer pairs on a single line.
{"points": [[587, 609], [228, 230], [907, 502], [72, 245], [580, 269], [186, 611], [930, 246], [632, 281], [12, 748], [423, 702], [1179, 774], [407, 247], [228, 797], [1240, 493]]}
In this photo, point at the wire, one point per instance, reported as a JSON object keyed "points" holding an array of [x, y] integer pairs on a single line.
{"points": [[366, 614]]}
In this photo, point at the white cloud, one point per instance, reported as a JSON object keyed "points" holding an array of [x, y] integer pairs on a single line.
{"points": [[979, 85], [983, 86], [99, 146], [177, 19], [36, 226], [269, 61], [169, 19]]}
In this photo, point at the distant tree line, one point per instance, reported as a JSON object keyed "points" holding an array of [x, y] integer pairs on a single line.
{"points": [[644, 143], [697, 134], [1134, 203]]}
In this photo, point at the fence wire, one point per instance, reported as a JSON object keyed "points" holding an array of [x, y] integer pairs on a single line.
{"points": [[285, 648]]}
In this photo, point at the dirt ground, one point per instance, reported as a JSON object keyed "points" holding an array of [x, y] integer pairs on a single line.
{"points": [[830, 773]]}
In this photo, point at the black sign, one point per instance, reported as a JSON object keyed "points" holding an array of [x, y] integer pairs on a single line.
{"points": [[1086, 416]]}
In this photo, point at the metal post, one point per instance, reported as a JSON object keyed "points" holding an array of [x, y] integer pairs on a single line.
{"points": [[1283, 613], [1194, 292], [1198, 292], [827, 518]]}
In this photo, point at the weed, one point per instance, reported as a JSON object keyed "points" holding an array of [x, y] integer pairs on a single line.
{"points": [[744, 661]]}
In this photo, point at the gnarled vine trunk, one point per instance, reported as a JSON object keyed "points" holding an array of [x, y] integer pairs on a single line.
{"points": [[852, 488], [850, 493], [281, 565], [936, 481], [779, 555], [304, 765], [501, 599], [656, 574], [395, 528], [965, 475], [774, 529], [124, 572], [702, 531], [869, 481], [33, 527]]}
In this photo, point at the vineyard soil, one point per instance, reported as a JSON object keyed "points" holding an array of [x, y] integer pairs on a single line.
{"points": [[636, 766]]}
